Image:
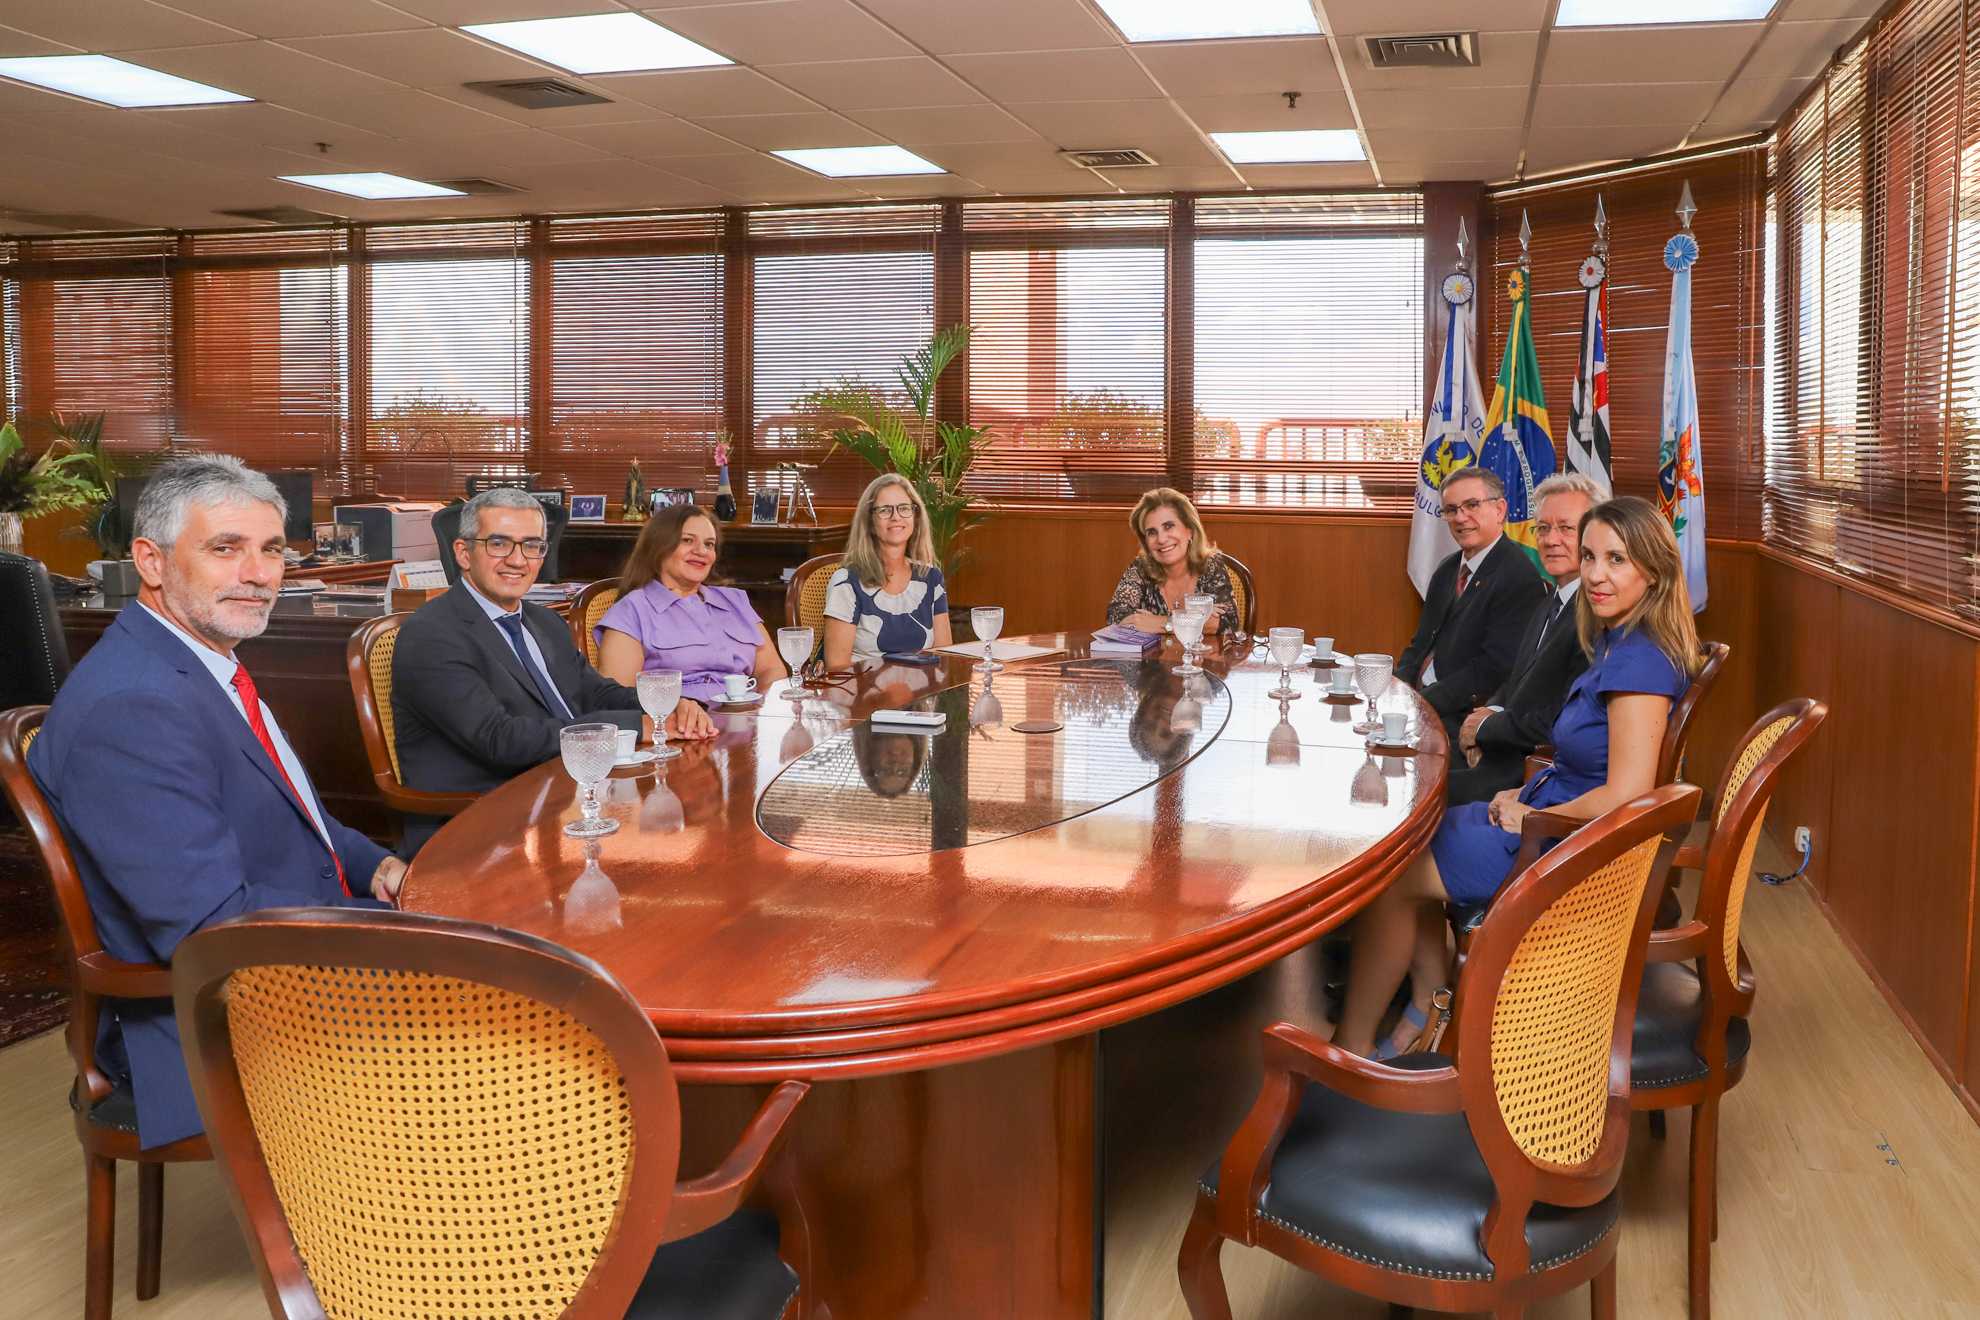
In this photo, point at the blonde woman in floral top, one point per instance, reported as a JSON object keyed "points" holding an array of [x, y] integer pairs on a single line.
{"points": [[1176, 560]]}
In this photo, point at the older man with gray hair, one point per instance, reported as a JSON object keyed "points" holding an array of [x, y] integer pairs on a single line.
{"points": [[174, 786]]}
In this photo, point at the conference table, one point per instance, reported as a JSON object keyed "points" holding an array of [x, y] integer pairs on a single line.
{"points": [[934, 928]]}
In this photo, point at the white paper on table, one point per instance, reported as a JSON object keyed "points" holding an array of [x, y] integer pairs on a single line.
{"points": [[1001, 651]]}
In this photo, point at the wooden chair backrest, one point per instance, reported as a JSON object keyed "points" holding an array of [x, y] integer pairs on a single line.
{"points": [[91, 973], [587, 609], [1740, 808], [804, 599], [1677, 730], [1545, 1011], [1244, 592], [368, 657], [419, 1114]]}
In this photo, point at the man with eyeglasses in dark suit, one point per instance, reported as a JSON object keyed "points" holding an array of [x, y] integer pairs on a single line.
{"points": [[483, 682], [1478, 605]]}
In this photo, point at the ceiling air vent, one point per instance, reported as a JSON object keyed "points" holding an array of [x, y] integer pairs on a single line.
{"points": [[538, 93], [1423, 50], [478, 186], [1127, 158], [283, 215]]}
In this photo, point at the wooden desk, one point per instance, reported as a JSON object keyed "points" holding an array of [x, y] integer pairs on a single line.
{"points": [[953, 921], [754, 556]]}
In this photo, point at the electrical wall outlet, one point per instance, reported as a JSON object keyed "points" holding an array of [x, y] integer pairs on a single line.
{"points": [[1802, 841]]}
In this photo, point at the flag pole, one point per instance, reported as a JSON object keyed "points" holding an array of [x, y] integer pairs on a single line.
{"points": [[1588, 450]]}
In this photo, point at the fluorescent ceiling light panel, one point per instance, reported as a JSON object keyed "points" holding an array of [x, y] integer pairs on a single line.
{"points": [[1644, 13], [374, 187], [860, 162], [1326, 144], [113, 82], [600, 43], [1195, 20]]}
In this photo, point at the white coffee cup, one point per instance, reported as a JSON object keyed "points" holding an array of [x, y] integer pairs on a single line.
{"points": [[1343, 679], [627, 740], [1395, 727], [737, 686], [1323, 648]]}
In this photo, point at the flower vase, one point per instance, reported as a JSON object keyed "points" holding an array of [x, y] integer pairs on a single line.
{"points": [[725, 499], [10, 533]]}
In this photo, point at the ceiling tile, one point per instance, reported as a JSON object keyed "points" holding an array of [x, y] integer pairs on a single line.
{"points": [[1861, 10], [793, 132], [749, 174], [876, 84], [1239, 68], [616, 110], [619, 179], [721, 91], [1090, 75], [424, 57], [1078, 125], [929, 125], [1443, 143], [977, 159], [1336, 175], [269, 72], [1165, 178], [1425, 171], [783, 31], [1645, 103], [1765, 100], [1366, 17], [1267, 112], [302, 18], [1016, 183], [454, 13], [1505, 59], [908, 187], [1551, 149], [954, 27], [15, 44], [1473, 107], [169, 137], [114, 25], [269, 125], [480, 153], [1798, 50], [650, 139], [1659, 54], [404, 112]]}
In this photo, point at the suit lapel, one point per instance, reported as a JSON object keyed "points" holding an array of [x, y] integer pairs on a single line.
{"points": [[488, 635]]}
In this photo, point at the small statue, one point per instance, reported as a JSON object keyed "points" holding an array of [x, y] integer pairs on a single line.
{"points": [[725, 499], [635, 510]]}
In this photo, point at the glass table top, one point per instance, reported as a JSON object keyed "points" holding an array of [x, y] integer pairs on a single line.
{"points": [[876, 791]]}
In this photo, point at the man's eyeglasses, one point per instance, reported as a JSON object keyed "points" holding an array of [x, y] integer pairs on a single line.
{"points": [[893, 511], [1541, 529], [1469, 506], [534, 547]]}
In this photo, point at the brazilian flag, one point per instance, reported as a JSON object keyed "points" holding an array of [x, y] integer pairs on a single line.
{"points": [[1518, 446]]}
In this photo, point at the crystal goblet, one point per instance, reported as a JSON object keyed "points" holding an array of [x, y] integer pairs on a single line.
{"points": [[589, 751], [988, 621], [1371, 673], [1284, 646], [659, 693]]}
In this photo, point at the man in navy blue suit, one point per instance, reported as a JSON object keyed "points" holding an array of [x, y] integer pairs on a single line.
{"points": [[177, 792]]}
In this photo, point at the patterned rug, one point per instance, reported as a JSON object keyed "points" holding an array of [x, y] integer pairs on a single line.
{"points": [[34, 993]]}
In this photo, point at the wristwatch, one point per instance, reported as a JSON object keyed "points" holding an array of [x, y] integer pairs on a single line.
{"points": [[1168, 624]]}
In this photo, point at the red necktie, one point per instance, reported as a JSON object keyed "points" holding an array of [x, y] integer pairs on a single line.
{"points": [[251, 703]]}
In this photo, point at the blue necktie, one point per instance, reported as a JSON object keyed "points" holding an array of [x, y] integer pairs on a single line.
{"points": [[512, 624]]}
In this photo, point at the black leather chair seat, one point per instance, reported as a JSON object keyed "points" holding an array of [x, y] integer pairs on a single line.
{"points": [[116, 1111], [1668, 1012], [728, 1272], [1407, 1192], [1466, 918]]}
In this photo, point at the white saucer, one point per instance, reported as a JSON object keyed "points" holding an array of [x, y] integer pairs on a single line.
{"points": [[637, 758], [750, 700]]}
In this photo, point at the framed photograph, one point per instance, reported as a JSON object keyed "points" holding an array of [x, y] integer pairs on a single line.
{"points": [[587, 508]]}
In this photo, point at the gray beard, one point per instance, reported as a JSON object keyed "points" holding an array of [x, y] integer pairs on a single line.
{"points": [[204, 613]]}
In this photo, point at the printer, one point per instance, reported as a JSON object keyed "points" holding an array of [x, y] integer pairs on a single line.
{"points": [[394, 529]]}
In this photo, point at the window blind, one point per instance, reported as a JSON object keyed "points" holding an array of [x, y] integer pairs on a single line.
{"points": [[1068, 300], [1877, 338], [632, 361], [1727, 315], [840, 295], [1309, 357]]}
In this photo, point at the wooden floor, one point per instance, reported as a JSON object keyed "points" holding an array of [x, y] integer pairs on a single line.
{"points": [[1817, 1219]]}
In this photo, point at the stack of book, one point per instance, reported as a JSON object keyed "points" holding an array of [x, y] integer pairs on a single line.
{"points": [[1119, 639]]}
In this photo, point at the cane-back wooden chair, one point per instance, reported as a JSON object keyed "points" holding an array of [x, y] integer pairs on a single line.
{"points": [[587, 610], [368, 658], [417, 1115], [1244, 593], [804, 599], [106, 1114], [1480, 1180], [1692, 1038]]}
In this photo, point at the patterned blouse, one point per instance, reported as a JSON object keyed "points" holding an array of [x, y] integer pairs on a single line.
{"points": [[1136, 592]]}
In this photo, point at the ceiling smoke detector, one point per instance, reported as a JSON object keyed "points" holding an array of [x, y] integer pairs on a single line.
{"points": [[1119, 159], [283, 215], [1423, 50], [479, 186], [538, 93]]}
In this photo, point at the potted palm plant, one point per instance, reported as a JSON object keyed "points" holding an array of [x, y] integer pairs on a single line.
{"points": [[32, 485]]}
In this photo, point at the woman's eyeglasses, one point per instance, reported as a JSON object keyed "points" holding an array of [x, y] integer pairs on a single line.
{"points": [[893, 511], [534, 547]]}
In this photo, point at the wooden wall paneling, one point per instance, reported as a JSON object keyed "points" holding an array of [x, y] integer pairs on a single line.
{"points": [[1733, 571], [1903, 736], [1795, 618]]}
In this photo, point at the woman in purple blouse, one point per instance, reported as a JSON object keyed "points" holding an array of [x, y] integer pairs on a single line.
{"points": [[668, 616]]}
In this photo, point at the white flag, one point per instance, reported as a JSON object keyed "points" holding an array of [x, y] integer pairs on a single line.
{"points": [[1452, 432], [1680, 460]]}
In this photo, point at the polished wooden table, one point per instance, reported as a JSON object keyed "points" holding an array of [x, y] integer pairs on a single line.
{"points": [[935, 928]]}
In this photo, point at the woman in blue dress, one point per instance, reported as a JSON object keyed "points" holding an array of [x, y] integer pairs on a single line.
{"points": [[888, 595], [1634, 616]]}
